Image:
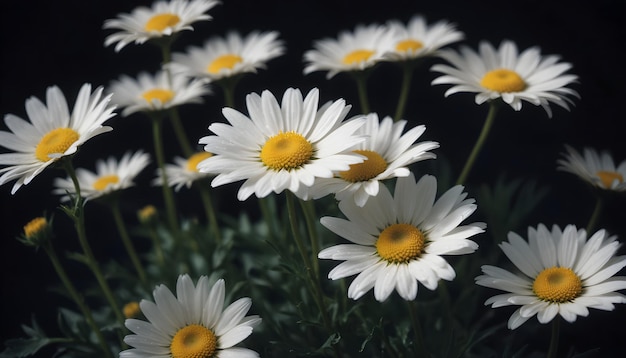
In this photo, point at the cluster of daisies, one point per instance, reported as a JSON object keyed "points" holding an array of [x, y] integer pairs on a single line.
{"points": [[397, 238]]}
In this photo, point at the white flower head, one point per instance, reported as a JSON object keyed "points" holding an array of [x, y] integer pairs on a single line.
{"points": [[562, 273], [111, 175], [229, 56], [398, 240], [351, 51], [194, 323], [156, 92], [417, 39], [388, 152], [52, 132], [281, 146], [184, 172], [596, 168], [504, 73], [164, 18]]}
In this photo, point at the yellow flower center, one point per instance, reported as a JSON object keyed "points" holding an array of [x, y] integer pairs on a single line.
{"points": [[160, 94], [223, 62], [147, 213], [286, 150], [607, 177], [503, 80], [193, 341], [192, 162], [357, 56], [557, 285], [400, 243], [409, 45], [104, 181], [35, 226], [131, 309], [160, 22], [55, 141], [370, 168]]}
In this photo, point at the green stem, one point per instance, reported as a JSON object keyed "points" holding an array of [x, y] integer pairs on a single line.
{"points": [[595, 215], [158, 251], [493, 109], [311, 218], [228, 85], [554, 339], [128, 244], [76, 297], [407, 75], [78, 217], [268, 216], [418, 342], [361, 85], [205, 194], [168, 195], [179, 130]]}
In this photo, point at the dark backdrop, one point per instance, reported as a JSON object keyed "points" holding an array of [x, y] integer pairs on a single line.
{"points": [[61, 42]]}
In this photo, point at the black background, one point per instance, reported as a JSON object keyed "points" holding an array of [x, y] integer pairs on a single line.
{"points": [[61, 42]]}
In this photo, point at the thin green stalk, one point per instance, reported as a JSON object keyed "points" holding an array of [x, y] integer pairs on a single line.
{"points": [[228, 85], [493, 109], [418, 341], [78, 299], [407, 76], [205, 194], [168, 195], [593, 220], [268, 216], [554, 339], [179, 130], [313, 281], [156, 243], [128, 244], [361, 84], [311, 219], [77, 215]]}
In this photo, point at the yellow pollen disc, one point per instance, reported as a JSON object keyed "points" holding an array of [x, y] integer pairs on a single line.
{"points": [[286, 150], [161, 22], [400, 243], [557, 285], [409, 45], [607, 177], [55, 141], [131, 309], [104, 181], [192, 162], [223, 62], [503, 80], [357, 56], [370, 168], [35, 226], [193, 341], [147, 213], [162, 95]]}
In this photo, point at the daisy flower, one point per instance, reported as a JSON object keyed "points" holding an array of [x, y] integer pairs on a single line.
{"points": [[352, 51], [184, 172], [110, 176], [562, 272], [229, 56], [388, 152], [194, 323], [417, 39], [281, 146], [398, 241], [598, 169], [504, 73], [163, 19], [156, 92], [52, 132]]}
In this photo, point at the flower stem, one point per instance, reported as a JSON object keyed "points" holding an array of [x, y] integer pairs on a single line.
{"points": [[596, 214], [361, 85], [554, 339], [493, 109], [179, 130], [407, 75], [168, 196], [128, 244], [205, 194], [76, 297], [309, 214], [418, 341]]}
